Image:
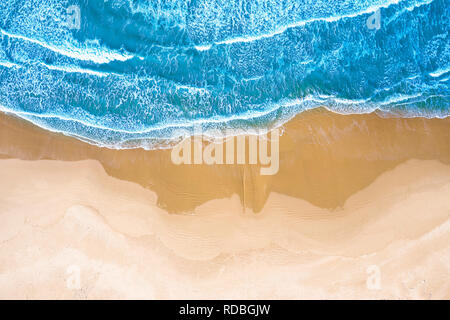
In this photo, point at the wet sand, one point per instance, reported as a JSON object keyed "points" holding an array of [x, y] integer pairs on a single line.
{"points": [[324, 159], [358, 209]]}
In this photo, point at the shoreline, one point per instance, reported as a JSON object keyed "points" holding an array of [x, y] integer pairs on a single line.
{"points": [[354, 194], [324, 158]]}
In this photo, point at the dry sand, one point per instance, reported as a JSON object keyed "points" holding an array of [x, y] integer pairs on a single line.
{"points": [[359, 209]]}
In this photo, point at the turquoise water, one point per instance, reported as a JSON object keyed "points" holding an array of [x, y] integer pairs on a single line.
{"points": [[130, 73]]}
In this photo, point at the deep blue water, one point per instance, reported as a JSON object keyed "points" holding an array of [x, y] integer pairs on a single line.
{"points": [[132, 72]]}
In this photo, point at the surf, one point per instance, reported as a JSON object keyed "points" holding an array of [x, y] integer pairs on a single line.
{"points": [[133, 73]]}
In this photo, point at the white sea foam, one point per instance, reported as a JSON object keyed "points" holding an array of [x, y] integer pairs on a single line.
{"points": [[399, 98], [282, 29], [439, 72], [72, 69], [8, 64], [153, 132], [93, 54]]}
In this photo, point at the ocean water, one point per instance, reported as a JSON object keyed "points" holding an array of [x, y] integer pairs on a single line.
{"points": [[124, 73]]}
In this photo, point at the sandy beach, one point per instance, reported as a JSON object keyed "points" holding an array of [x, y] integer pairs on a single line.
{"points": [[358, 209]]}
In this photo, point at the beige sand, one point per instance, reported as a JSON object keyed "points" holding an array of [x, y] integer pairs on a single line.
{"points": [[359, 209], [124, 246]]}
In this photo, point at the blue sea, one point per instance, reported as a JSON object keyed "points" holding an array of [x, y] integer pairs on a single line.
{"points": [[125, 74]]}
